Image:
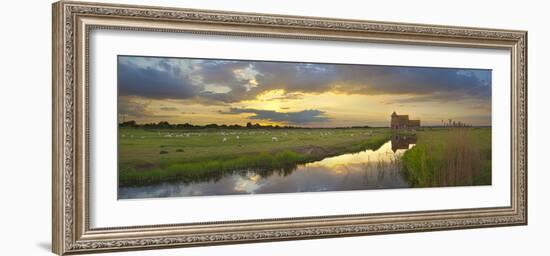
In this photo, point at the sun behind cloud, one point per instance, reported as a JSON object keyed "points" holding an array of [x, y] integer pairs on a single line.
{"points": [[203, 91]]}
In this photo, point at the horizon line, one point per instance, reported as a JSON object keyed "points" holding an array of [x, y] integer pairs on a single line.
{"points": [[290, 126]]}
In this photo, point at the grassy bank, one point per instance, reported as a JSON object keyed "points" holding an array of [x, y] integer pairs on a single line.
{"points": [[450, 157], [152, 156]]}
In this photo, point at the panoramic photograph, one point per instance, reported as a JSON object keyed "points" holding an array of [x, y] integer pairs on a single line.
{"points": [[214, 127]]}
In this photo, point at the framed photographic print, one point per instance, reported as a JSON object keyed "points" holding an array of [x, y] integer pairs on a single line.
{"points": [[179, 127]]}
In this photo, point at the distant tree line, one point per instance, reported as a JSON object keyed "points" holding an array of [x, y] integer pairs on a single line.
{"points": [[454, 123], [249, 125]]}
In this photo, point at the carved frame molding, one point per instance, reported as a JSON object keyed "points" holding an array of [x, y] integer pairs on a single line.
{"points": [[72, 23]]}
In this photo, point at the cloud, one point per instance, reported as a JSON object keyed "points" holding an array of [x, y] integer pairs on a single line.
{"points": [[139, 108], [228, 81], [159, 82], [375, 80], [295, 77], [129, 106], [298, 117], [178, 78]]}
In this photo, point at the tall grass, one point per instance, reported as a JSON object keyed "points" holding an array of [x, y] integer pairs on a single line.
{"points": [[451, 157]]}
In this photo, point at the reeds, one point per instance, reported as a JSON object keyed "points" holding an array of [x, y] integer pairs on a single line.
{"points": [[461, 160], [459, 157]]}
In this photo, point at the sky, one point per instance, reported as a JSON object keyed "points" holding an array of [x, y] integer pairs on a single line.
{"points": [[205, 91]]}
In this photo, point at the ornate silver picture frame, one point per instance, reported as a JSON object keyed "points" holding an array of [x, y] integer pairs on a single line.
{"points": [[74, 21]]}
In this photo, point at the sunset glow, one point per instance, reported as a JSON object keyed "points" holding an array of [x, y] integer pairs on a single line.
{"points": [[202, 91]]}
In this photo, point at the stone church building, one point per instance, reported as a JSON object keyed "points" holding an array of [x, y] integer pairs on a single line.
{"points": [[403, 122]]}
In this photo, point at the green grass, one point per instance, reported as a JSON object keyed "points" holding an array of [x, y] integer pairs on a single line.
{"points": [[150, 156], [449, 157], [441, 157]]}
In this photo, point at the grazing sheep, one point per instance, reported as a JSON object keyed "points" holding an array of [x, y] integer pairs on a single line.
{"points": [[237, 137], [274, 139], [224, 139]]}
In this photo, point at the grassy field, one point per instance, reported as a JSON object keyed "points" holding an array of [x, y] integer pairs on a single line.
{"points": [[441, 157], [156, 155], [449, 157]]}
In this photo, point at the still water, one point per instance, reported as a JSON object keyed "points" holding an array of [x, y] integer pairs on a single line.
{"points": [[369, 169]]}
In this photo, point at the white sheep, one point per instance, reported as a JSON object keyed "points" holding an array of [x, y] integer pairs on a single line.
{"points": [[224, 139], [274, 139], [237, 137]]}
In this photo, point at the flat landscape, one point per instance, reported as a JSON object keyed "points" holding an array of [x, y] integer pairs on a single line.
{"points": [[208, 127], [149, 156], [440, 156]]}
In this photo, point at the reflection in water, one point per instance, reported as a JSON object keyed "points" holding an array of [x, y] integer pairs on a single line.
{"points": [[402, 142], [369, 169]]}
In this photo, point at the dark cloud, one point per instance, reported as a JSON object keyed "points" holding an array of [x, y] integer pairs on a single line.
{"points": [[173, 78], [295, 77], [222, 72], [438, 83], [299, 117], [160, 82], [170, 78]]}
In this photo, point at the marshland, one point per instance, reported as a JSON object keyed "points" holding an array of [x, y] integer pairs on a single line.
{"points": [[169, 162], [204, 126]]}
